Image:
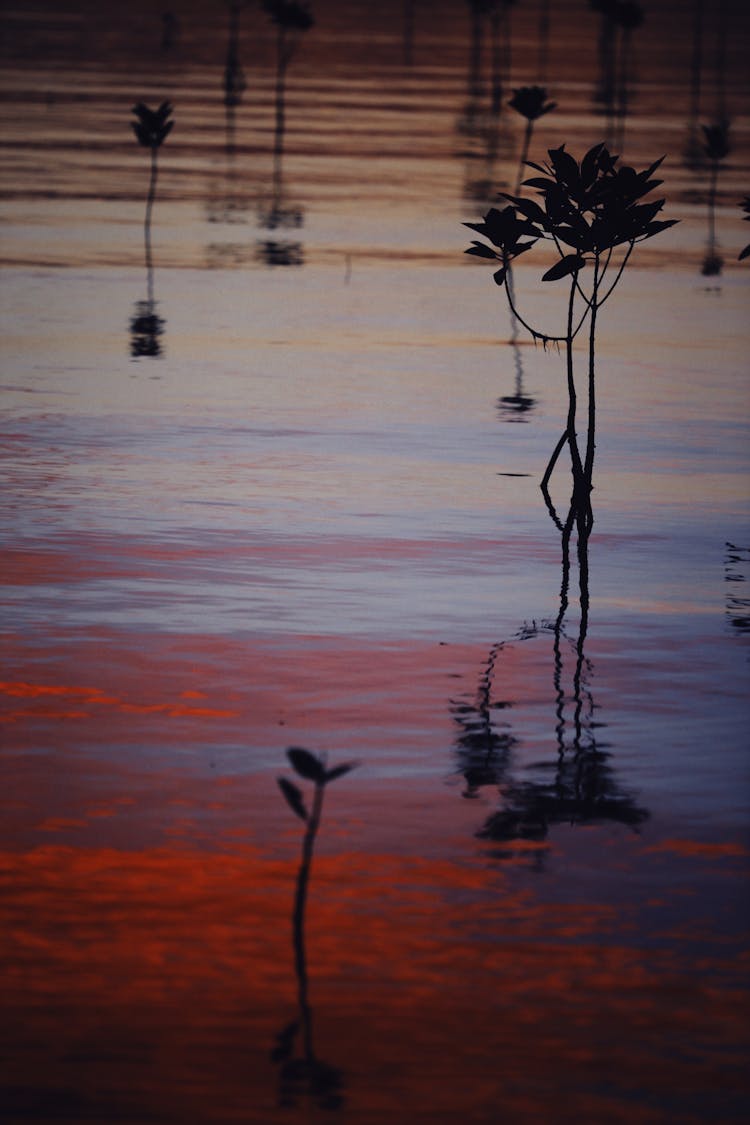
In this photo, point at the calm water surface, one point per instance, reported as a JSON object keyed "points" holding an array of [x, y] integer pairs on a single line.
{"points": [[314, 519]]}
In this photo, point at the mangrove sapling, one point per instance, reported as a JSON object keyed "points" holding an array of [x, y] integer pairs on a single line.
{"points": [[152, 128], [312, 768], [592, 214], [716, 148], [319, 1078]]}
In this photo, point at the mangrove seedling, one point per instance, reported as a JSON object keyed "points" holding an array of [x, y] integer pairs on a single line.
{"points": [[313, 769], [306, 1074], [592, 214], [152, 128], [716, 148]]}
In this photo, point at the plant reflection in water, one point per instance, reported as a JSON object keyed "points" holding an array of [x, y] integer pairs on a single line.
{"points": [[291, 20], [304, 1074], [227, 204], [151, 127], [580, 786]]}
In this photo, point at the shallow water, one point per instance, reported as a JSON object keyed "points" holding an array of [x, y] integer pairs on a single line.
{"points": [[315, 520]]}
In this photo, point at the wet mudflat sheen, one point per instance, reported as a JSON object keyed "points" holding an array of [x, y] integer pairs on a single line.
{"points": [[272, 446]]}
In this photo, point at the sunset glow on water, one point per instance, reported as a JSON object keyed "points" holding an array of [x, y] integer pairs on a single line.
{"points": [[311, 517]]}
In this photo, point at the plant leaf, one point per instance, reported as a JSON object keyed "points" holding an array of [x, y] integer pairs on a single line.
{"points": [[306, 764], [481, 251], [659, 225], [538, 182], [499, 276], [744, 254], [293, 797], [571, 263], [339, 771]]}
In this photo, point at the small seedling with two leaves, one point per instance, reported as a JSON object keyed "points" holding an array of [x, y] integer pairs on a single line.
{"points": [[313, 769]]}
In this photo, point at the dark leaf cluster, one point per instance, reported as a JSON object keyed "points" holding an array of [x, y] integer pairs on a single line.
{"points": [[531, 102], [586, 208], [745, 205], [313, 769], [153, 125], [289, 14], [504, 229]]}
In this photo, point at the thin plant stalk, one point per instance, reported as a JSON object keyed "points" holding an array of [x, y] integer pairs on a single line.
{"points": [[591, 432], [147, 224], [712, 189], [298, 919], [527, 134]]}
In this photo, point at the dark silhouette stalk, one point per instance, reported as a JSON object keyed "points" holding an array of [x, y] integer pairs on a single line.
{"points": [[572, 398], [528, 131], [558, 633], [298, 919], [591, 432], [712, 190], [147, 224]]}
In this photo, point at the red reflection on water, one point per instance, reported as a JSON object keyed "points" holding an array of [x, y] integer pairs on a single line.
{"points": [[689, 848], [156, 981]]}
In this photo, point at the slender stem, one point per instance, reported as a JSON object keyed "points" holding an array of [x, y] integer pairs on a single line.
{"points": [[623, 263], [712, 207], [300, 900], [524, 154], [572, 398], [548, 473], [534, 332], [147, 224], [558, 633], [591, 433], [584, 529]]}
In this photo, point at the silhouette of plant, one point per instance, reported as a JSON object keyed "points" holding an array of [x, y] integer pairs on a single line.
{"points": [[151, 127], [716, 148], [531, 102], [745, 205], [306, 1074], [593, 214]]}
